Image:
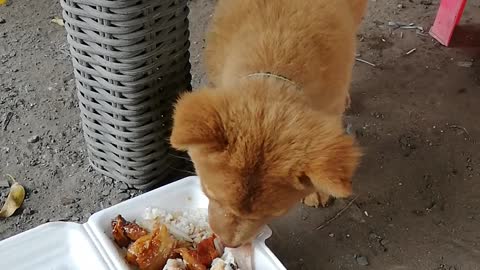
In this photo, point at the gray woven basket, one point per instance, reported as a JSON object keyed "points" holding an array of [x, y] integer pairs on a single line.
{"points": [[131, 61]]}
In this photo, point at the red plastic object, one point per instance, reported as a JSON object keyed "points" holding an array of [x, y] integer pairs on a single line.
{"points": [[448, 16]]}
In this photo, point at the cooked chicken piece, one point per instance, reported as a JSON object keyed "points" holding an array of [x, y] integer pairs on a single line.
{"points": [[189, 257], [206, 251], [125, 232], [151, 252]]}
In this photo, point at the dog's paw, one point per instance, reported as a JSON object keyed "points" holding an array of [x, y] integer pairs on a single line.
{"points": [[317, 199], [348, 102]]}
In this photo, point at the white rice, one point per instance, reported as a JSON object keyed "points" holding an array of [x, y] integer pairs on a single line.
{"points": [[189, 225], [175, 264], [226, 262]]}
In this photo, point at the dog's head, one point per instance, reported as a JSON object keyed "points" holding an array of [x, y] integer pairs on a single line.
{"points": [[259, 153]]}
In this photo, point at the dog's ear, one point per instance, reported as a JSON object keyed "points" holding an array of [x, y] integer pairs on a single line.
{"points": [[197, 122], [331, 168]]}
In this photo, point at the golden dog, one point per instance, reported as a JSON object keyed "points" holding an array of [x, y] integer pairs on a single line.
{"points": [[268, 132]]}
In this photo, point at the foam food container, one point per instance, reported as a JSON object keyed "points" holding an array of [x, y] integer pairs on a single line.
{"points": [[72, 246]]}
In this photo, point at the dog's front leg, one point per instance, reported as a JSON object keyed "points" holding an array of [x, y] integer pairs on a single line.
{"points": [[348, 102], [317, 199]]}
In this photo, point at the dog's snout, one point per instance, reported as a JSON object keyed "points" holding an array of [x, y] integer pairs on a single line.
{"points": [[229, 245]]}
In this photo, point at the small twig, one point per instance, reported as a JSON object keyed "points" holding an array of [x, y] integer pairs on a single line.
{"points": [[365, 62], [399, 25], [326, 223], [411, 51], [7, 119], [12, 179], [460, 127]]}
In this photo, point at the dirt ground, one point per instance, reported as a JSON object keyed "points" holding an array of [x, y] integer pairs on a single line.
{"points": [[417, 191]]}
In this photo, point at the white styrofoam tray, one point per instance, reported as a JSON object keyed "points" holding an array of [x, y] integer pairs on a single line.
{"points": [[72, 246]]}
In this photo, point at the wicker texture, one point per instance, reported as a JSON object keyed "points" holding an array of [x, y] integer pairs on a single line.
{"points": [[130, 61]]}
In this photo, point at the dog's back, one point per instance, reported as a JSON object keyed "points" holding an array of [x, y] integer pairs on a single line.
{"points": [[311, 42]]}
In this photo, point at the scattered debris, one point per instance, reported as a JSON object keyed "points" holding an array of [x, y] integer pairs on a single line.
{"points": [[361, 260], [58, 21], [365, 62], [461, 128], [28, 211], [378, 242], [399, 25], [411, 51], [374, 236], [420, 33], [326, 223], [33, 139], [67, 201], [465, 64], [6, 120], [15, 198]]}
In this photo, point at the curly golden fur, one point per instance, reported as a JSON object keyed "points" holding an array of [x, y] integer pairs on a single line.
{"points": [[260, 144]]}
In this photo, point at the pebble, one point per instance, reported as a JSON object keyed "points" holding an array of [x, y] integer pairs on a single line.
{"points": [[123, 186], [28, 211], [106, 192], [113, 202], [75, 218], [34, 139], [108, 180], [2, 21], [74, 206], [362, 260], [67, 201], [465, 64], [124, 196], [374, 236]]}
